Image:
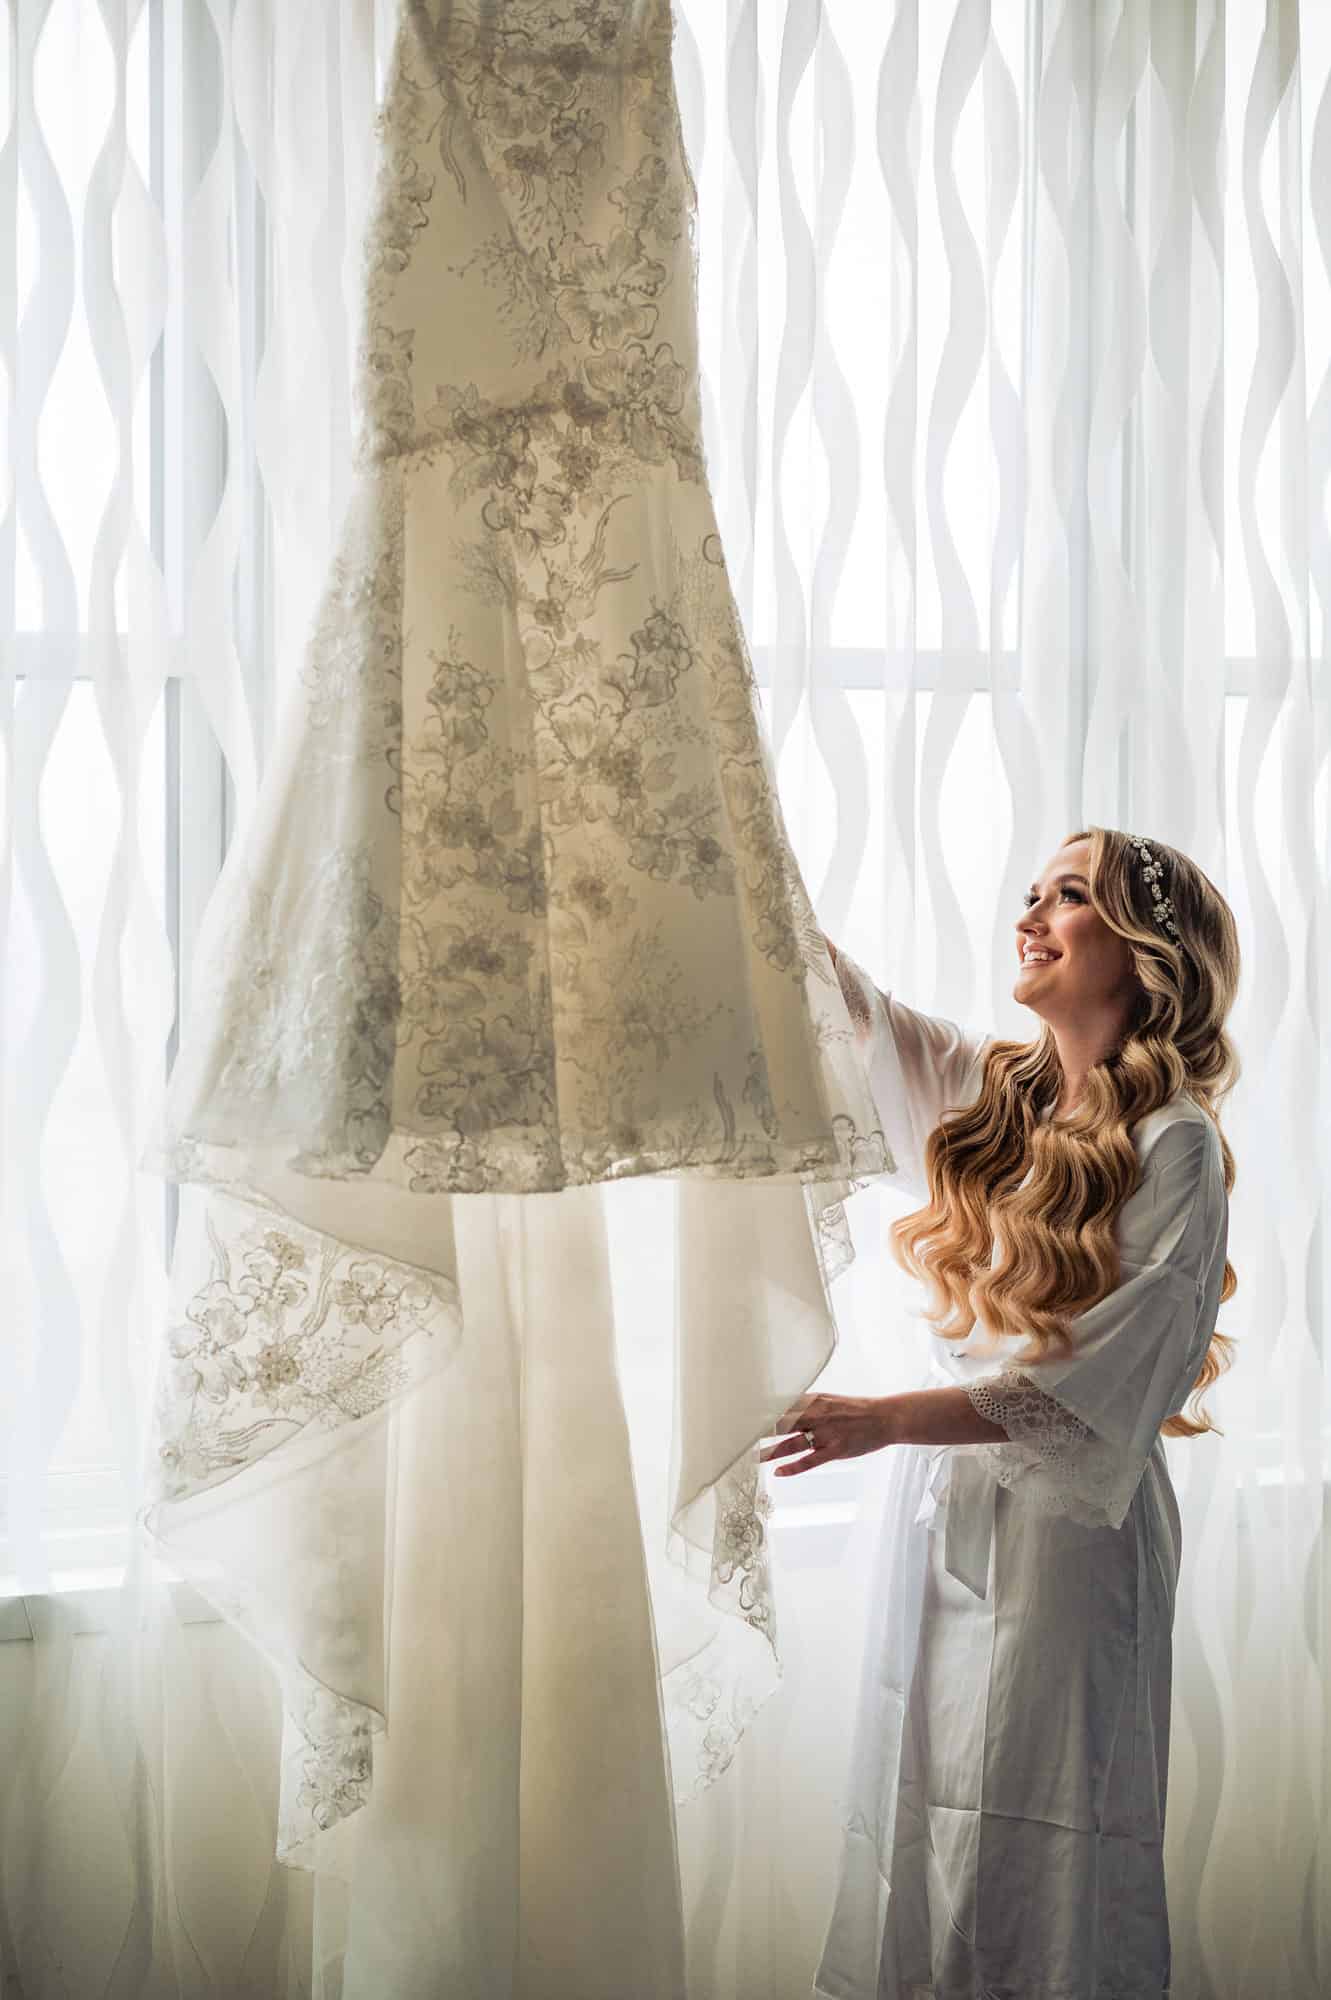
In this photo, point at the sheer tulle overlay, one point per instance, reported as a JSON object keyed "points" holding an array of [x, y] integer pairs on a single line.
{"points": [[514, 918]]}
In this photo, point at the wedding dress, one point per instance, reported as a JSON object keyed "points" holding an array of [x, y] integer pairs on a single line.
{"points": [[514, 919], [1004, 1819]]}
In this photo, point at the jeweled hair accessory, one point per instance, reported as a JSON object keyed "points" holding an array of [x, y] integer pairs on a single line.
{"points": [[1163, 908]]}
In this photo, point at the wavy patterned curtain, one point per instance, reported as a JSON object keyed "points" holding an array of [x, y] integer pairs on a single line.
{"points": [[1016, 331]]}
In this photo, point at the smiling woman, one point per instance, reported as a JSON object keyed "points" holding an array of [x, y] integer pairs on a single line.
{"points": [[1089, 1004], [1074, 1267]]}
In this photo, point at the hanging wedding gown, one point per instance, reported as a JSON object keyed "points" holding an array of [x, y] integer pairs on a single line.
{"points": [[1003, 1830], [514, 918]]}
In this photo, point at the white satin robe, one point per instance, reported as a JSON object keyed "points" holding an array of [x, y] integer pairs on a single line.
{"points": [[1005, 1804]]}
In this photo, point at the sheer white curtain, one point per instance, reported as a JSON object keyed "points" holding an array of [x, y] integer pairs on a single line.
{"points": [[1016, 327], [181, 181]]}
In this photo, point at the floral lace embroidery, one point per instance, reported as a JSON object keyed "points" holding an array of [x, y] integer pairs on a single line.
{"points": [[695, 1695], [711, 1696], [1054, 1463], [326, 1762], [858, 1004], [739, 1553], [280, 1328], [528, 782], [296, 994]]}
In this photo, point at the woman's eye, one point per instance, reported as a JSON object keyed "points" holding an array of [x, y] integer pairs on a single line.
{"points": [[1031, 897]]}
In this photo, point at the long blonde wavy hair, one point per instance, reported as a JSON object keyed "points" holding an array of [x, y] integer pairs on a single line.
{"points": [[1059, 1251]]}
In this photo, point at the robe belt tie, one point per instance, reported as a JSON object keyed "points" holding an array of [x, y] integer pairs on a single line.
{"points": [[954, 1475]]}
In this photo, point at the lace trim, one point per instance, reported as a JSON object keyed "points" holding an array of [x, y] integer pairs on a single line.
{"points": [[858, 1004], [712, 1697], [1053, 1462], [327, 1764]]}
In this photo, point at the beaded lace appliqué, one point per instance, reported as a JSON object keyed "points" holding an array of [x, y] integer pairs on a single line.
{"points": [[527, 816]]}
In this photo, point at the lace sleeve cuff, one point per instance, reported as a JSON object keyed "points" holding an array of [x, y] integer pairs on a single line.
{"points": [[1053, 1461]]}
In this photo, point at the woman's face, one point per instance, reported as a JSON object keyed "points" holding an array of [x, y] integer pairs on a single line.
{"points": [[1092, 966]]}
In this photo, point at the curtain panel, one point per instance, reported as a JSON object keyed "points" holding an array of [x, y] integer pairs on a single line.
{"points": [[1015, 323]]}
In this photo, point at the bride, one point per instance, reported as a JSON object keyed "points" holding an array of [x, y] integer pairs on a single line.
{"points": [[1005, 1808]]}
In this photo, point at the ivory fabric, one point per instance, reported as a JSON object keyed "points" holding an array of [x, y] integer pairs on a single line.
{"points": [[514, 918], [1006, 1798]]}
